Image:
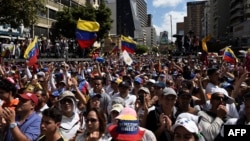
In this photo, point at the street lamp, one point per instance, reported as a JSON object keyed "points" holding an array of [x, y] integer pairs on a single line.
{"points": [[171, 27]]}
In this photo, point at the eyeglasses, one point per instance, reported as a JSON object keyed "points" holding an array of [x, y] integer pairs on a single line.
{"points": [[64, 101], [92, 120], [219, 98]]}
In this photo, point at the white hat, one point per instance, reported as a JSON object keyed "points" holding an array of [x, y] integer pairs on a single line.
{"points": [[189, 116], [229, 100], [151, 81], [117, 107], [187, 124]]}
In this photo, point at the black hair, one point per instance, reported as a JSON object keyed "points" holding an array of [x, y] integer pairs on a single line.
{"points": [[8, 86], [53, 113]]}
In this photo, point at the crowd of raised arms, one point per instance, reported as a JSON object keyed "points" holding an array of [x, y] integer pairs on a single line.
{"points": [[156, 98]]}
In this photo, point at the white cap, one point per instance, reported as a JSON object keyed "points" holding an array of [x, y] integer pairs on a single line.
{"points": [[187, 124]]}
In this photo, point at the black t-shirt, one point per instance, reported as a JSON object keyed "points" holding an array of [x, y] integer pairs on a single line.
{"points": [[153, 123], [43, 138]]}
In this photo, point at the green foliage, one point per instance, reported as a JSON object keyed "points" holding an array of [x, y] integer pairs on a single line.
{"points": [[155, 49], [67, 19], [17, 12], [140, 49]]}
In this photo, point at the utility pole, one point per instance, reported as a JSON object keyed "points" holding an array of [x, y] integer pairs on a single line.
{"points": [[171, 28]]}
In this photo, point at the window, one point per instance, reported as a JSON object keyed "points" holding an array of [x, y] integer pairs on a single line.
{"points": [[52, 14]]}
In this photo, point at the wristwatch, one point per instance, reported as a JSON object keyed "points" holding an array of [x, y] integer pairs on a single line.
{"points": [[13, 125]]}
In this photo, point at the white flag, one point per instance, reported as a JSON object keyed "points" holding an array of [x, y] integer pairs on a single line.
{"points": [[126, 58]]}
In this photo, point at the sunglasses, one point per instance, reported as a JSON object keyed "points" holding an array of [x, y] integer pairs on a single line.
{"points": [[220, 98], [64, 101], [92, 120]]}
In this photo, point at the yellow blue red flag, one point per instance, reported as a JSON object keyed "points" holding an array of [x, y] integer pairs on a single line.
{"points": [[128, 44], [229, 56], [31, 52], [86, 32]]}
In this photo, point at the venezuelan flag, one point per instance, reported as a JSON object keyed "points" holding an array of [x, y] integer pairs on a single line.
{"points": [[86, 32], [204, 43], [32, 52], [128, 44], [229, 56]]}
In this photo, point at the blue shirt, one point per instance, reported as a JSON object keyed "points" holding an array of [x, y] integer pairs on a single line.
{"points": [[30, 127]]}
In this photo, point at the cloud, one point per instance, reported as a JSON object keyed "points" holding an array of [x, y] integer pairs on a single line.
{"points": [[166, 3], [177, 16]]}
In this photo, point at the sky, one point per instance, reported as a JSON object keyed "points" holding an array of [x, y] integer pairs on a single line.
{"points": [[163, 10]]}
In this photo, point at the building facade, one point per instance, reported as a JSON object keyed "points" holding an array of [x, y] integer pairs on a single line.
{"points": [[195, 12]]}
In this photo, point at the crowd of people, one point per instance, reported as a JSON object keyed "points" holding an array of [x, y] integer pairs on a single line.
{"points": [[156, 98]]}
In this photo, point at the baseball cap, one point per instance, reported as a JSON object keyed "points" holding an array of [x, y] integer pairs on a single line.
{"points": [[187, 124], [117, 107], [151, 81], [160, 84], [229, 100], [189, 116], [226, 85], [117, 80], [145, 89], [41, 74], [66, 93], [169, 91], [93, 95], [29, 96], [124, 84], [138, 80]]}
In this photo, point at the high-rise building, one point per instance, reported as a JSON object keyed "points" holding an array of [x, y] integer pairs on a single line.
{"points": [[126, 18], [142, 12], [239, 22], [194, 16], [220, 19]]}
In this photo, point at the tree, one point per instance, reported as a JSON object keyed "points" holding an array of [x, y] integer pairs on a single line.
{"points": [[17, 12], [155, 49], [67, 19], [140, 49]]}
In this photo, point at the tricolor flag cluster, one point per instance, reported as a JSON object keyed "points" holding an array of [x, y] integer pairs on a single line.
{"points": [[86, 32], [32, 52], [229, 56], [128, 44]]}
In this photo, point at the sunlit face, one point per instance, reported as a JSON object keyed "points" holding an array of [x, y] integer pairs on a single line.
{"points": [[92, 122], [67, 106], [48, 125], [182, 134]]}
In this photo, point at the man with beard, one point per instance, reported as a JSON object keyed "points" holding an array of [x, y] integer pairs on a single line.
{"points": [[42, 101]]}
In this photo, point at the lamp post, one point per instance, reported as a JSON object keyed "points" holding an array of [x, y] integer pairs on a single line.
{"points": [[171, 27]]}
